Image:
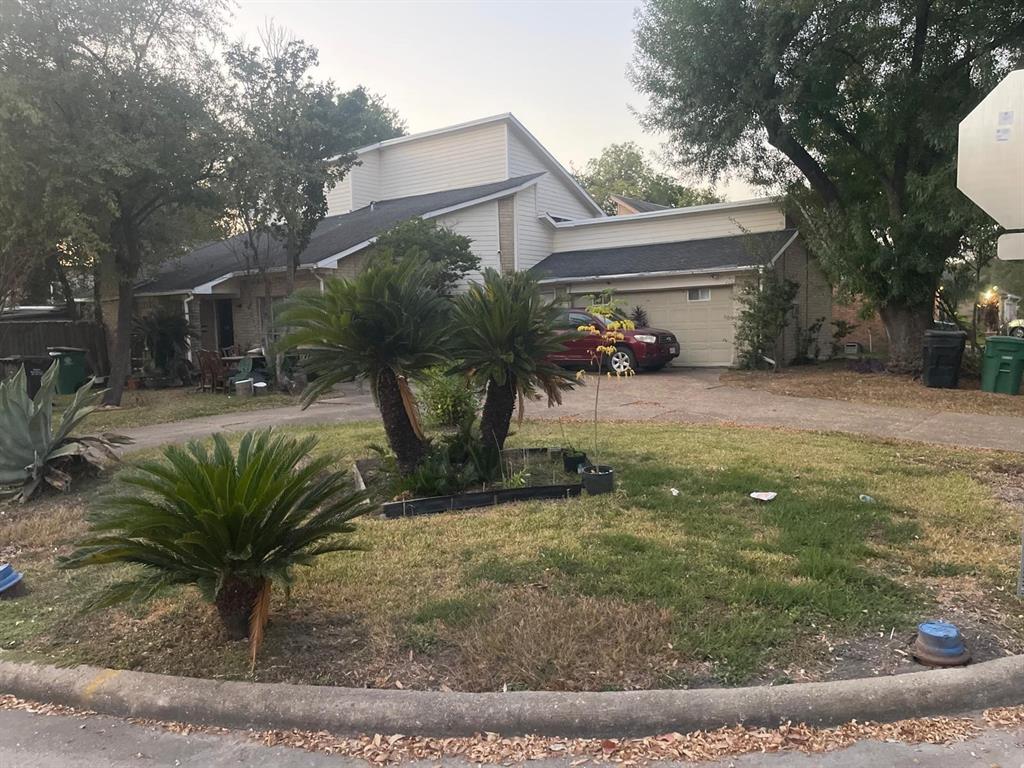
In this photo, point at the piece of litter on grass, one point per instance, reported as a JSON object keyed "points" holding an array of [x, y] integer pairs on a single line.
{"points": [[763, 495], [674, 491], [867, 499]]}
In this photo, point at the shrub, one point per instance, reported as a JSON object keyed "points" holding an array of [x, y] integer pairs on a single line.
{"points": [[447, 400], [230, 524], [765, 308], [33, 450], [638, 316]]}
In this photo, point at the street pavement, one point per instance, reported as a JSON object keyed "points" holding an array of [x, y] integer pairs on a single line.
{"points": [[58, 741]]}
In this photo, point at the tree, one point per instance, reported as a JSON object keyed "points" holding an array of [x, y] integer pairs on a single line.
{"points": [[292, 141], [505, 334], [387, 326], [854, 106], [445, 251], [124, 94], [622, 169]]}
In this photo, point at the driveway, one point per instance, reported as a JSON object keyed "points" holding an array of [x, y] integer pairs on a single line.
{"points": [[695, 395], [687, 395]]}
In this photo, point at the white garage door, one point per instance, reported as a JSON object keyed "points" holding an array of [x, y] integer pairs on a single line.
{"points": [[702, 320]]}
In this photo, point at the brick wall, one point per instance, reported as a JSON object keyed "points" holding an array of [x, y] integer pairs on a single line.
{"points": [[869, 333]]}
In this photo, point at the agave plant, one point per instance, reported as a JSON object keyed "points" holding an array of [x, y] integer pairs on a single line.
{"points": [[231, 524], [34, 450], [505, 334], [387, 325]]}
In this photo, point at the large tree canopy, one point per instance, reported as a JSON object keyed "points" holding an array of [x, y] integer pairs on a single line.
{"points": [[292, 138], [121, 93], [623, 169], [852, 104]]}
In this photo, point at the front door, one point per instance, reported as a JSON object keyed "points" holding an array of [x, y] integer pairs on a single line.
{"points": [[225, 323]]}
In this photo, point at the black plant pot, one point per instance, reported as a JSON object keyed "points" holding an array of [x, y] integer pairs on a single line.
{"points": [[598, 478], [572, 462]]}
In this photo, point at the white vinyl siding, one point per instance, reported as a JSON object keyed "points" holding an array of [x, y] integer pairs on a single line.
{"points": [[366, 179], [449, 161], [670, 229], [339, 199], [555, 195], [479, 224], [534, 238]]}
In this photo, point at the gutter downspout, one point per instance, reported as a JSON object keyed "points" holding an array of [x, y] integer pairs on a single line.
{"points": [[319, 278], [188, 319]]}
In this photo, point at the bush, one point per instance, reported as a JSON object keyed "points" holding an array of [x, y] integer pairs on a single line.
{"points": [[765, 307], [447, 400], [230, 524], [33, 450]]}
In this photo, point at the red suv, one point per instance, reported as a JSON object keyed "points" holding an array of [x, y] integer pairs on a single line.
{"points": [[649, 349]]}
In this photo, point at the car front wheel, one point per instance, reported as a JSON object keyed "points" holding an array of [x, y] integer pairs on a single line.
{"points": [[622, 360], [1018, 331]]}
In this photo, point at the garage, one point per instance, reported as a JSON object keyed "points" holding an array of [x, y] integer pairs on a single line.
{"points": [[700, 317], [687, 287]]}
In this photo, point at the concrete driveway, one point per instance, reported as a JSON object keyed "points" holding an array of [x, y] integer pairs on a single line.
{"points": [[686, 395], [697, 395]]}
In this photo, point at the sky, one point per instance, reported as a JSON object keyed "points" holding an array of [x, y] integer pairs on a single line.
{"points": [[560, 66]]}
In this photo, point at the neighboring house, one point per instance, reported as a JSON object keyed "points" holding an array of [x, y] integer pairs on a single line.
{"points": [[624, 206], [492, 181]]}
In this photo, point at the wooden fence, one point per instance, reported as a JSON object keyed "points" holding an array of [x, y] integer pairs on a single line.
{"points": [[33, 337]]}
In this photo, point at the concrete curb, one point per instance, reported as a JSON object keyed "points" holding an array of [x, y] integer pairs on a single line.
{"points": [[351, 711]]}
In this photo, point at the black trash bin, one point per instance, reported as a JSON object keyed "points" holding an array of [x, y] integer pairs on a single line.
{"points": [[943, 353]]}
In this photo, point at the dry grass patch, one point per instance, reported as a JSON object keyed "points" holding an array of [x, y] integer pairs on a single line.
{"points": [[636, 588], [833, 381]]}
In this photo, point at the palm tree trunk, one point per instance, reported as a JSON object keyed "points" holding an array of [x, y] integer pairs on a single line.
{"points": [[408, 448], [497, 413], [235, 602]]}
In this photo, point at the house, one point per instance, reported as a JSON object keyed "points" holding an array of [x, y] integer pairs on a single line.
{"points": [[493, 181], [626, 205]]}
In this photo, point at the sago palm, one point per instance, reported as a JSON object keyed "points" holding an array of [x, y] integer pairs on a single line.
{"points": [[505, 334], [386, 325], [230, 523]]}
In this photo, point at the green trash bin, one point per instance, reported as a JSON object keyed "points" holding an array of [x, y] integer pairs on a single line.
{"points": [[71, 368], [1003, 366]]}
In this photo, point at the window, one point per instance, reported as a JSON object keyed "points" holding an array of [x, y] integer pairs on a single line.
{"points": [[698, 294]]}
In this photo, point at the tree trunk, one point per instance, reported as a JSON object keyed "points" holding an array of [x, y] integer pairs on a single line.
{"points": [[120, 345], [905, 327], [497, 413], [235, 602], [408, 448]]}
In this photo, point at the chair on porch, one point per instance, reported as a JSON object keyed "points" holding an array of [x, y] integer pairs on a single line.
{"points": [[212, 372]]}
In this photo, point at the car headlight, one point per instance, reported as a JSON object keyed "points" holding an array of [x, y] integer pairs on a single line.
{"points": [[646, 338]]}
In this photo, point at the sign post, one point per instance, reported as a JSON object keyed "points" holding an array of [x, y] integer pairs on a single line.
{"points": [[990, 171]]}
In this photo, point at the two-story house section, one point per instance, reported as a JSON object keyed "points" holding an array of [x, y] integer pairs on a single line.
{"points": [[493, 181]]}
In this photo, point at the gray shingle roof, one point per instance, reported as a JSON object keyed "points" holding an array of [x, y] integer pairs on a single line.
{"points": [[641, 206], [333, 235], [714, 253]]}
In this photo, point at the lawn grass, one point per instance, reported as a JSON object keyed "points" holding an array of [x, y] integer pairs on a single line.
{"points": [[833, 381], [640, 588], [143, 407]]}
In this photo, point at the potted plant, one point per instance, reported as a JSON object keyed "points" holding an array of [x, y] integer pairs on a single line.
{"points": [[596, 477], [573, 459]]}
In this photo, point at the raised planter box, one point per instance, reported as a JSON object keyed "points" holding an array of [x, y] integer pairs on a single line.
{"points": [[429, 505]]}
